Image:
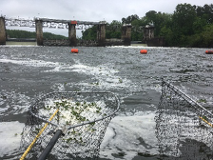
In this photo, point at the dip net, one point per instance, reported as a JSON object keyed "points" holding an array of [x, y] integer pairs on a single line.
{"points": [[81, 119], [183, 126]]}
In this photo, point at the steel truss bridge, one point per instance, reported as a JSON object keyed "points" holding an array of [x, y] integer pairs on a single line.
{"points": [[58, 24], [72, 26], [49, 23]]}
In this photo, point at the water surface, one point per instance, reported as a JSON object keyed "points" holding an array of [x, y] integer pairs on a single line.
{"points": [[27, 72]]}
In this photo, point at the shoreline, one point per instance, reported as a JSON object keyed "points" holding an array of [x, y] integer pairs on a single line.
{"points": [[21, 43]]}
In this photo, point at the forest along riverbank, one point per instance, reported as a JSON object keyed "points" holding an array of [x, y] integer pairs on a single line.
{"points": [[27, 72]]}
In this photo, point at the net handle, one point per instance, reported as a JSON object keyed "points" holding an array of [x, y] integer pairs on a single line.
{"points": [[188, 99], [37, 136], [185, 96], [50, 145]]}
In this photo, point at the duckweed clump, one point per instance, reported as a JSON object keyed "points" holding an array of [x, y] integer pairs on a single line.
{"points": [[74, 112]]}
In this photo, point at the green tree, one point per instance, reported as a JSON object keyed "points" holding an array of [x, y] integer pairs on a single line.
{"points": [[129, 19], [90, 34], [158, 19], [113, 30], [189, 25], [206, 12], [48, 35], [183, 19], [20, 34], [151, 16], [199, 25], [27, 34], [137, 29]]}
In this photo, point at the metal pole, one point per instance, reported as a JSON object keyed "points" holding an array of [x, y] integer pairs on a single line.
{"points": [[51, 144], [37, 136]]}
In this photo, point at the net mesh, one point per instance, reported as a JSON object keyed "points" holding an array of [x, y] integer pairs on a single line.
{"points": [[84, 117], [183, 126]]}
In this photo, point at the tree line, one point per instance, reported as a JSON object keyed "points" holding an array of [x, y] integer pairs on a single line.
{"points": [[27, 34], [187, 26]]}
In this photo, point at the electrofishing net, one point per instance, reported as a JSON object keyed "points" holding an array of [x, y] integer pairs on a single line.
{"points": [[82, 116], [183, 126]]}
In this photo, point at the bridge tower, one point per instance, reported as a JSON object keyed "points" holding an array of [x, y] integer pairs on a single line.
{"points": [[101, 33], [2, 31], [148, 32], [126, 34], [72, 33], [39, 32]]}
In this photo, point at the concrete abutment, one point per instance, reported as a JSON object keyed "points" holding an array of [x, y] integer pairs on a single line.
{"points": [[39, 32], [72, 35], [3, 36], [101, 34], [126, 34]]}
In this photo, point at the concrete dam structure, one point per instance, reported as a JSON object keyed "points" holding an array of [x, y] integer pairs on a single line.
{"points": [[39, 23]]}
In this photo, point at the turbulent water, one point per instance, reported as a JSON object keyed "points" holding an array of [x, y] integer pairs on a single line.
{"points": [[27, 72]]}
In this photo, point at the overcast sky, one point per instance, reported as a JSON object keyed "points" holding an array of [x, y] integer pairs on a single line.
{"points": [[88, 10]]}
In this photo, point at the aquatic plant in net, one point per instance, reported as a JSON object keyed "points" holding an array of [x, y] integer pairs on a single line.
{"points": [[183, 126], [82, 118]]}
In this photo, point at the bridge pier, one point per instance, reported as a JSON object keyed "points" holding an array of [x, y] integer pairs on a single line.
{"points": [[72, 33], [126, 34], [101, 34], [2, 31], [39, 32]]}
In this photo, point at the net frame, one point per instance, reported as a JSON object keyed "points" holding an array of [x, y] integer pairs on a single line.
{"points": [[85, 137], [183, 126]]}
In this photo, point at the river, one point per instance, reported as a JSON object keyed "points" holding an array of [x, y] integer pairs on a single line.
{"points": [[29, 71]]}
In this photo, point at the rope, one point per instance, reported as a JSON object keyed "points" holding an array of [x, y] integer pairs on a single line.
{"points": [[37, 136]]}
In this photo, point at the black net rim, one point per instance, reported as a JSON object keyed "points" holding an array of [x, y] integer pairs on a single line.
{"points": [[112, 114]]}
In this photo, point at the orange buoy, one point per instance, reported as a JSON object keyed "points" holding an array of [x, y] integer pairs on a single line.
{"points": [[209, 51], [143, 51], [74, 50]]}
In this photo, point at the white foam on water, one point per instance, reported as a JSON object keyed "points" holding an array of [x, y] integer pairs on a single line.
{"points": [[133, 134], [98, 70], [15, 103], [2, 110], [136, 47], [104, 76], [30, 62], [130, 135], [157, 88], [58, 87], [10, 133]]}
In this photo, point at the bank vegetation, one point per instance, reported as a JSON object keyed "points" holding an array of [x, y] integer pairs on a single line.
{"points": [[187, 26]]}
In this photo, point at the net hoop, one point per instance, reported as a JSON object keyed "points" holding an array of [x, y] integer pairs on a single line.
{"points": [[31, 110], [81, 138]]}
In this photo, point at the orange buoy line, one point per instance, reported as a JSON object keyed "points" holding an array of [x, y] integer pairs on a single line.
{"points": [[209, 51], [143, 51], [74, 50]]}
